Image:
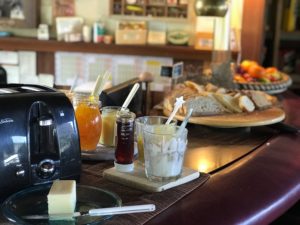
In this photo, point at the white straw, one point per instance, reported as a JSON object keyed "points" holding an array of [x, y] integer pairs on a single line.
{"points": [[122, 210], [184, 123], [178, 104], [74, 83], [130, 96], [104, 80], [97, 85], [100, 82]]}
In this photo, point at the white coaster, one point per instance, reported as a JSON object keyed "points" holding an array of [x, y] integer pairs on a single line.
{"points": [[137, 179]]}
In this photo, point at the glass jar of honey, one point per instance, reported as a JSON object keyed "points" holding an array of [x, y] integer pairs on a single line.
{"points": [[124, 141], [87, 113]]}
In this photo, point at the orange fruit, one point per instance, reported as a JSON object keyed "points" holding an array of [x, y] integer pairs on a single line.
{"points": [[271, 70], [256, 71], [246, 64], [239, 79]]}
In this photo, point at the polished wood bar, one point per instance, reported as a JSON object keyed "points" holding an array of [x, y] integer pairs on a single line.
{"points": [[256, 188]]}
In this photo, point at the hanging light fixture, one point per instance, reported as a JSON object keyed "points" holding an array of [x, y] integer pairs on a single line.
{"points": [[216, 8]]}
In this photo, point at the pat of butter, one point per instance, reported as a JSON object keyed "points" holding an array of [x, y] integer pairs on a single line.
{"points": [[62, 199]]}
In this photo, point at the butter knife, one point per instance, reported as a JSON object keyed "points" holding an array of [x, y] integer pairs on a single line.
{"points": [[99, 212]]}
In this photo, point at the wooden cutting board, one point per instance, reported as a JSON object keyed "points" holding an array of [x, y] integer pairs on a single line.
{"points": [[137, 179], [256, 118]]}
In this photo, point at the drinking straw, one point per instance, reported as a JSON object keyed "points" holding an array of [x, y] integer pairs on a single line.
{"points": [[74, 84], [184, 122], [106, 77], [177, 105], [101, 80], [130, 96]]}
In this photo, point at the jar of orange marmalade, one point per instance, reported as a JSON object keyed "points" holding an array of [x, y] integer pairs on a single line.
{"points": [[87, 113]]}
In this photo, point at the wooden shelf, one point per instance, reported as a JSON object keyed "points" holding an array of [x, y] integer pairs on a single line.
{"points": [[46, 49], [51, 46]]}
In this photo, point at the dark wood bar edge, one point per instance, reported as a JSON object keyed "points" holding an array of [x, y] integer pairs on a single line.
{"points": [[255, 190]]}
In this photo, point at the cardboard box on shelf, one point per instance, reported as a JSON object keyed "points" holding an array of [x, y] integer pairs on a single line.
{"points": [[204, 40], [131, 33]]}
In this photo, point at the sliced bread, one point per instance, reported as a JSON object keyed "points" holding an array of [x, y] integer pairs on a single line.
{"points": [[246, 104], [260, 99], [205, 105], [228, 102]]}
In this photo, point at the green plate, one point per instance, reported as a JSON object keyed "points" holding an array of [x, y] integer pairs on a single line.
{"points": [[33, 201]]}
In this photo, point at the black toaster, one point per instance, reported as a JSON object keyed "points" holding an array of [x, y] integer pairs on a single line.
{"points": [[39, 139]]}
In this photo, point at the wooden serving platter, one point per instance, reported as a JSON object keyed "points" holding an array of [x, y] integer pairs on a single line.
{"points": [[256, 118]]}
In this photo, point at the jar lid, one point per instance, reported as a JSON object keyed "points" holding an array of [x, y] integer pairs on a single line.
{"points": [[125, 116], [124, 167]]}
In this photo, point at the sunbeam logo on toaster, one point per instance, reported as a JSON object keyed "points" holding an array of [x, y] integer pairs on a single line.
{"points": [[6, 120]]}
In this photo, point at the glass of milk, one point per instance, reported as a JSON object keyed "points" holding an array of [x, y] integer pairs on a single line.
{"points": [[140, 124], [164, 151]]}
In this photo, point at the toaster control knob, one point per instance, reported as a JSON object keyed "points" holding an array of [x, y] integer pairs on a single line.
{"points": [[46, 168]]}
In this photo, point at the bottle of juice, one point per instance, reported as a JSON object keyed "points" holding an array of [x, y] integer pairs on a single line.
{"points": [[108, 114]]}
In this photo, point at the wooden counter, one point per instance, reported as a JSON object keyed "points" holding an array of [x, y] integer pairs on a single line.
{"points": [[257, 188]]}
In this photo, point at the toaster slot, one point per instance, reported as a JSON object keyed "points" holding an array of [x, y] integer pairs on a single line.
{"points": [[44, 151], [42, 132]]}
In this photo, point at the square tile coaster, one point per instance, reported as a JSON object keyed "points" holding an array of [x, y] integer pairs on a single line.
{"points": [[137, 179]]}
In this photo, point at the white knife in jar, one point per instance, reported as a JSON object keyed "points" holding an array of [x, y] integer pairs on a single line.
{"points": [[100, 212]]}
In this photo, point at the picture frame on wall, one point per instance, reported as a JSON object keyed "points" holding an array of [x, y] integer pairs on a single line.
{"points": [[18, 13]]}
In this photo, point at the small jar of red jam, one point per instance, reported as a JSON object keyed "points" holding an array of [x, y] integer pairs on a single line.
{"points": [[124, 152]]}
